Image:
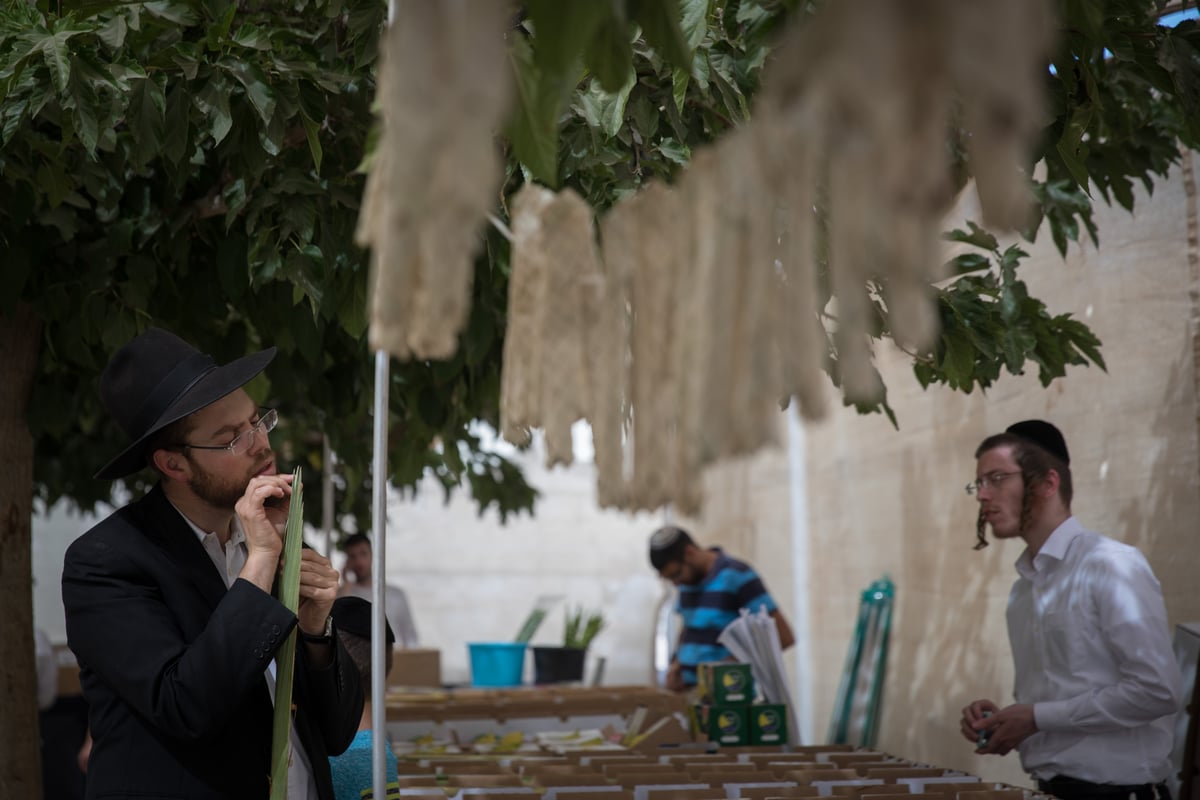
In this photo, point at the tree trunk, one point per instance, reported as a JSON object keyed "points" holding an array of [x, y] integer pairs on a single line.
{"points": [[20, 755]]}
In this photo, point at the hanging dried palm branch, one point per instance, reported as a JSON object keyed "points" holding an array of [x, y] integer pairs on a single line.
{"points": [[521, 381], [569, 241], [443, 87], [794, 239]]}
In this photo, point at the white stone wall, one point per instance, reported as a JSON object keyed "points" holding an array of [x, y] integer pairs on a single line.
{"points": [[883, 500]]}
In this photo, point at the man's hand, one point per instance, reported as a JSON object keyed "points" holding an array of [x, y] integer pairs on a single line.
{"points": [[1006, 728], [675, 677], [264, 526], [318, 590]]}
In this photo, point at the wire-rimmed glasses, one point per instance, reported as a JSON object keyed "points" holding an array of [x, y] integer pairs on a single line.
{"points": [[242, 442], [989, 481]]}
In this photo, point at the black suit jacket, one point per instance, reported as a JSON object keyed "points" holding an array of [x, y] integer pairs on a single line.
{"points": [[171, 664]]}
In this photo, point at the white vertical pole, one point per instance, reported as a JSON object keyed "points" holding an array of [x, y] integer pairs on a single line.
{"points": [[379, 481], [798, 496], [327, 493]]}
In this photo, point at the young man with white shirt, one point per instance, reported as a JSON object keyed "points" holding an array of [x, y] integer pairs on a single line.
{"points": [[169, 605], [1097, 685]]}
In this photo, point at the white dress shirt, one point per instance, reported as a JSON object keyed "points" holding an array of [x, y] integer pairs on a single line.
{"points": [[229, 562], [1093, 655]]}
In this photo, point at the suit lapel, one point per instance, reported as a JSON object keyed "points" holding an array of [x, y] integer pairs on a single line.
{"points": [[166, 528]]}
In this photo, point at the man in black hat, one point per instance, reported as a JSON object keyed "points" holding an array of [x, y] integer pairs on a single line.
{"points": [[169, 605], [1097, 685]]}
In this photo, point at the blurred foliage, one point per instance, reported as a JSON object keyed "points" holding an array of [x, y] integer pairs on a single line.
{"points": [[193, 164]]}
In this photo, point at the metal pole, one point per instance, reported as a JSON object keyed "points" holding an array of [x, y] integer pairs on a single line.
{"points": [[379, 480], [802, 716], [327, 493], [378, 561]]}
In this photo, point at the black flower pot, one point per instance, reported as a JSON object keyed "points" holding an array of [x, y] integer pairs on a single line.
{"points": [[558, 664]]}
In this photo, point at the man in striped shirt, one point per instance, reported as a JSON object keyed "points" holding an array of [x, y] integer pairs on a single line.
{"points": [[713, 589]]}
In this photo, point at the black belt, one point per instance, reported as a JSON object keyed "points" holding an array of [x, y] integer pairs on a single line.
{"points": [[1066, 788]]}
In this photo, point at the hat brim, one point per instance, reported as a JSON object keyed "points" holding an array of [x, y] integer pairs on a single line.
{"points": [[208, 390]]}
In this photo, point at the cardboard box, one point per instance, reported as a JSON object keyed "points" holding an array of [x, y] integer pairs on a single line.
{"points": [[768, 724], [415, 666], [726, 684], [725, 725]]}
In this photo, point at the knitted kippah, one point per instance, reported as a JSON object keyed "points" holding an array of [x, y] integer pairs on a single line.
{"points": [[665, 537]]}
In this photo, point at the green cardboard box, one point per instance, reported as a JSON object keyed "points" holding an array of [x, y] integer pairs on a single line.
{"points": [[724, 683], [725, 725], [768, 724]]}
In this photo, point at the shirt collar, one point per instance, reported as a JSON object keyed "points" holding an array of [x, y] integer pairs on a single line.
{"points": [[1054, 549], [237, 536]]}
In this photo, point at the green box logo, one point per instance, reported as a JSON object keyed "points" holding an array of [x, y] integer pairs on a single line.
{"points": [[733, 681], [770, 722], [729, 723]]}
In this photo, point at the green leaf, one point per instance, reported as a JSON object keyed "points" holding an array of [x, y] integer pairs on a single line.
{"points": [[146, 118], [179, 104], [57, 57], [660, 21], [968, 262], [212, 101], [562, 28], [258, 90], [251, 37], [977, 237], [52, 178], [694, 23], [11, 116], [179, 13], [312, 132], [83, 99], [352, 312], [113, 32], [606, 110], [533, 128], [643, 116], [958, 362], [723, 78], [609, 55], [271, 137], [679, 86], [675, 151], [1071, 147]]}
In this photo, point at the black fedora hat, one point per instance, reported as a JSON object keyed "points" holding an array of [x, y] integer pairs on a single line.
{"points": [[157, 379]]}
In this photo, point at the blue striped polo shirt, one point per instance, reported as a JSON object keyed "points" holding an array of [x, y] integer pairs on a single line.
{"points": [[711, 605]]}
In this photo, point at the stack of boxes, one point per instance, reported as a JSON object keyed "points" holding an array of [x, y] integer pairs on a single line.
{"points": [[728, 714]]}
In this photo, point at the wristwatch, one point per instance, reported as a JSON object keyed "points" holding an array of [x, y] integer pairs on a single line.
{"points": [[324, 638]]}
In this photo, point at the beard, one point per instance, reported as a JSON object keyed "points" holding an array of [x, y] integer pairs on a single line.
{"points": [[220, 491]]}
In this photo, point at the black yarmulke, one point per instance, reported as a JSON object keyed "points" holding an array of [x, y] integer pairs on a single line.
{"points": [[1044, 435]]}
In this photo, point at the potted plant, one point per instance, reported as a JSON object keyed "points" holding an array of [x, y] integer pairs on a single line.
{"points": [[565, 663]]}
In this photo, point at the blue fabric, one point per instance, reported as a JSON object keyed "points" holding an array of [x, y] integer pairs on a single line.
{"points": [[709, 606], [352, 769]]}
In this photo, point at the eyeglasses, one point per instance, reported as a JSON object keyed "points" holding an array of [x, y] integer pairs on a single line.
{"points": [[989, 481], [240, 443]]}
